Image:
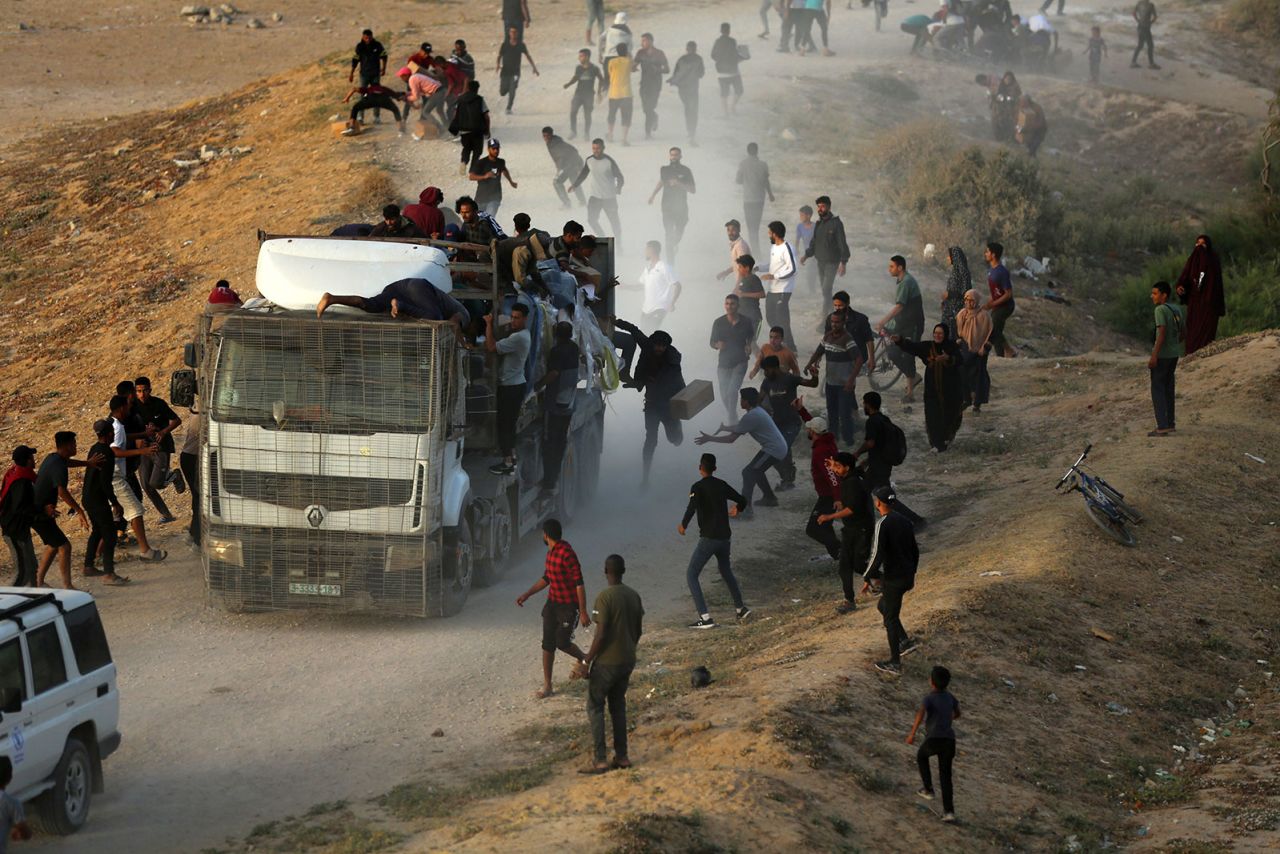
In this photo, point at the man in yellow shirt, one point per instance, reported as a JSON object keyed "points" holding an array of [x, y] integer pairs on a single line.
{"points": [[619, 71]]}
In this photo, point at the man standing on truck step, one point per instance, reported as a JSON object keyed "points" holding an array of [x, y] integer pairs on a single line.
{"points": [[513, 351], [560, 383], [657, 374], [566, 605], [619, 617], [709, 498]]}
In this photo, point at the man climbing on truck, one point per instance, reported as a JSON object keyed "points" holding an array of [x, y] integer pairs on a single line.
{"points": [[406, 298]]}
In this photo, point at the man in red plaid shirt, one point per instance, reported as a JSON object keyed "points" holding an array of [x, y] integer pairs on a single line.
{"points": [[566, 604]]}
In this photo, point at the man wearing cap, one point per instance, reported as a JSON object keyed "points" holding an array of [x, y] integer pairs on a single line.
{"points": [[488, 173], [602, 193], [827, 484], [738, 247], [17, 511], [893, 561]]}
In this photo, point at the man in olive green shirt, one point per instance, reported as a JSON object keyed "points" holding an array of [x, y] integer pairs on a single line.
{"points": [[1170, 345], [618, 615]]}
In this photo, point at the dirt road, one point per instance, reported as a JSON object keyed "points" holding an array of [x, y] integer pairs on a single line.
{"points": [[230, 720]]}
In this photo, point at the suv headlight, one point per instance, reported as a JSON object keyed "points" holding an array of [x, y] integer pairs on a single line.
{"points": [[227, 551]]}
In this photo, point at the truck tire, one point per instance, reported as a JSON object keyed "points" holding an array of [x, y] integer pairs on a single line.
{"points": [[65, 808], [500, 536], [457, 567]]}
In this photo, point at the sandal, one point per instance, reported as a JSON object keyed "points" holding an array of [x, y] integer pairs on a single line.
{"points": [[154, 555], [113, 580]]}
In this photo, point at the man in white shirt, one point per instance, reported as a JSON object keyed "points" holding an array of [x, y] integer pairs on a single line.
{"points": [[602, 191], [661, 287], [780, 281], [130, 501], [737, 248]]}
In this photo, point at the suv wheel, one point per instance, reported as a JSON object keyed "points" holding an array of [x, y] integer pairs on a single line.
{"points": [[64, 809]]}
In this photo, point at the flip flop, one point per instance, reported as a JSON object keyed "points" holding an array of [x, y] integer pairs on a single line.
{"points": [[155, 555]]}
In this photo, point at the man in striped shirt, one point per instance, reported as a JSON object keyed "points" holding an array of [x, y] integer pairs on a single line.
{"points": [[781, 280]]}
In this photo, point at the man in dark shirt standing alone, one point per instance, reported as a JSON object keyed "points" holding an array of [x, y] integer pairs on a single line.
{"points": [[1145, 14], [675, 180], [724, 53], [894, 558], [619, 618], [566, 604], [371, 58], [709, 498], [659, 376]]}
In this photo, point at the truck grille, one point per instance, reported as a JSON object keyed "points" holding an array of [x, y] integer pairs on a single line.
{"points": [[299, 491]]}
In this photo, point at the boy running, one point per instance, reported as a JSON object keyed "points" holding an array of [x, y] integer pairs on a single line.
{"points": [[937, 712]]}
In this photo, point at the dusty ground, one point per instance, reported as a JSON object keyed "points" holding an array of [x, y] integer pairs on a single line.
{"points": [[214, 705]]}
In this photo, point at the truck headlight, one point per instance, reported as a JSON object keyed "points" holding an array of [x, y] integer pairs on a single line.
{"points": [[227, 551]]}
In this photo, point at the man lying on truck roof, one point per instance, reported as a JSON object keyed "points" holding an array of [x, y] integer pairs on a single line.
{"points": [[406, 298]]}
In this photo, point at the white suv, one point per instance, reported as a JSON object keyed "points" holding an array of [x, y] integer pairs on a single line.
{"points": [[59, 706]]}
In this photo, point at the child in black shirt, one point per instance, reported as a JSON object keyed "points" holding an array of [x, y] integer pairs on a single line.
{"points": [[937, 712]]}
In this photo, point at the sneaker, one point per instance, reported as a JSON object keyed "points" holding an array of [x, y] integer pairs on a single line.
{"points": [[177, 481], [743, 612], [164, 520], [785, 487], [908, 646], [949, 817], [501, 468], [927, 794], [820, 558], [891, 667], [702, 623], [846, 607], [767, 502], [349, 132]]}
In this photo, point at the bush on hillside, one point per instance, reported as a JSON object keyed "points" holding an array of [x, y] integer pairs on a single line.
{"points": [[1253, 17], [963, 196]]}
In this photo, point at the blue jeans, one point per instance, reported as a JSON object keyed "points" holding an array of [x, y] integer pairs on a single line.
{"points": [[702, 553], [840, 412], [753, 475]]}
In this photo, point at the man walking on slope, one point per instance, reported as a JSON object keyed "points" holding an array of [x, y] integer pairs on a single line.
{"points": [[893, 561], [828, 247], [709, 498], [566, 604]]}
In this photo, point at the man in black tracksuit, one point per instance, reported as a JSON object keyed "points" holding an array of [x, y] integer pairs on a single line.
{"points": [[828, 246], [859, 522], [659, 376], [894, 558]]}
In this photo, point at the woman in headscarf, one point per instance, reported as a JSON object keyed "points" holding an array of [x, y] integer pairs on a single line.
{"points": [[958, 284], [943, 394], [973, 329], [1200, 290]]}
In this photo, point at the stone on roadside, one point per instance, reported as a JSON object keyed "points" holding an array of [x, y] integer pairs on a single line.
{"points": [[196, 11], [255, 24], [228, 9], [277, 17]]}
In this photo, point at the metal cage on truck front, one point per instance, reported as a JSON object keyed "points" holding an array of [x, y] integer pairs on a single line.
{"points": [[317, 449]]}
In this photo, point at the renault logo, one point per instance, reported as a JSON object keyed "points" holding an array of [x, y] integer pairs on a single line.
{"points": [[315, 515]]}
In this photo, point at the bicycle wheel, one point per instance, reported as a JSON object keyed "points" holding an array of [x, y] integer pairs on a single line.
{"points": [[1114, 528], [886, 373], [1128, 512]]}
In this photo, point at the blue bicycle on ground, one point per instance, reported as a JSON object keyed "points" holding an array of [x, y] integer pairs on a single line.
{"points": [[1104, 504]]}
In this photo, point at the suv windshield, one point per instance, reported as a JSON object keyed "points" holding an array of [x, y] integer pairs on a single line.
{"points": [[337, 377]]}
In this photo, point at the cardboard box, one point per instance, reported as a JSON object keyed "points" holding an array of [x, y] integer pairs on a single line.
{"points": [[692, 399], [426, 130]]}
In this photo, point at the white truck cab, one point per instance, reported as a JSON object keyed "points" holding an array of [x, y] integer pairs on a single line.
{"points": [[59, 706]]}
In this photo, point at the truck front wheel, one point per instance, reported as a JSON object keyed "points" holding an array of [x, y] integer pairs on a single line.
{"points": [[457, 567]]}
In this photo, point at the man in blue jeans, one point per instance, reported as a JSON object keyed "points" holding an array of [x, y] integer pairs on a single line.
{"points": [[844, 361], [773, 447], [709, 498]]}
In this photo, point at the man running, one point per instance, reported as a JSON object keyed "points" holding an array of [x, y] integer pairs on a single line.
{"points": [[566, 605], [588, 87], [660, 285], [709, 498], [568, 163], [675, 181], [602, 193], [724, 53], [892, 564], [687, 78], [659, 376], [470, 122], [51, 487], [826, 484], [619, 69], [738, 247], [652, 64], [773, 448], [828, 247], [488, 173], [510, 56]]}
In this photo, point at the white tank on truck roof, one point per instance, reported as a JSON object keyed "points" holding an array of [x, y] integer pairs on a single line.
{"points": [[294, 272]]}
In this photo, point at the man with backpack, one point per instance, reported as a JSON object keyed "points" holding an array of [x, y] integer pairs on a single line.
{"points": [[1170, 345], [471, 122], [885, 445]]}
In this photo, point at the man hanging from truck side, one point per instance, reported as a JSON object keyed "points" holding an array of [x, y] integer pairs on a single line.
{"points": [[513, 349]]}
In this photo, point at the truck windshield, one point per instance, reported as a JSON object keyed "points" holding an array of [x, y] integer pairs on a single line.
{"points": [[306, 376]]}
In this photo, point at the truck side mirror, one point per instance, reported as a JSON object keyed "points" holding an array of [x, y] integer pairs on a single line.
{"points": [[182, 388], [189, 355]]}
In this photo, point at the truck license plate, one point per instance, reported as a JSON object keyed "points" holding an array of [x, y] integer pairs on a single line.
{"points": [[315, 589]]}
